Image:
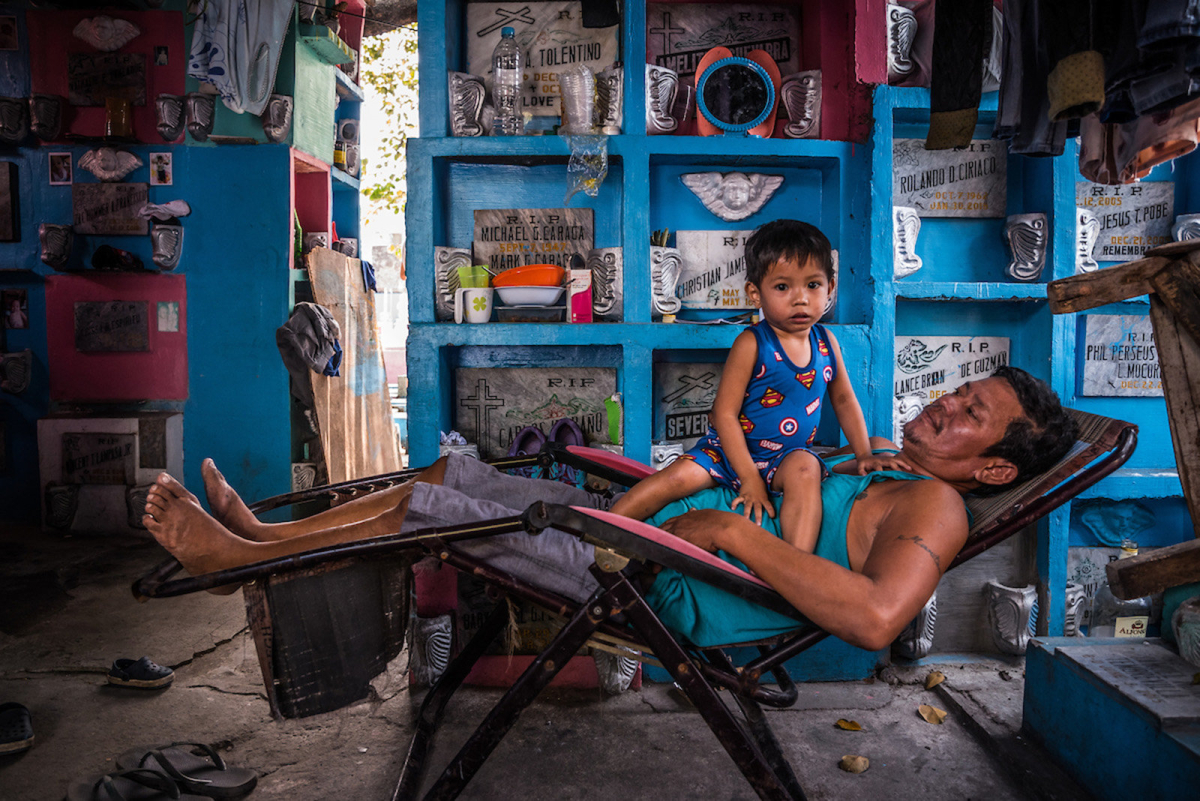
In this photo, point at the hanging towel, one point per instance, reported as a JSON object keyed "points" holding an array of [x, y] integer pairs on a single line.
{"points": [[236, 46], [309, 341]]}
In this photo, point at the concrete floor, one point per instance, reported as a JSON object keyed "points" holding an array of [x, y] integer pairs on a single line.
{"points": [[66, 613]]}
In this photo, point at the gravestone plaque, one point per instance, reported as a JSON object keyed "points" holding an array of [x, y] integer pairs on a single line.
{"points": [[551, 36], [112, 326], [110, 209], [714, 269], [1119, 357], [10, 225], [492, 405], [971, 182], [930, 367], [1086, 566], [152, 443], [1133, 219], [507, 238], [678, 36], [685, 395], [1150, 674], [89, 458], [93, 77]]}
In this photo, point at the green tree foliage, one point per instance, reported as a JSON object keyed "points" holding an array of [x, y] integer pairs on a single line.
{"points": [[389, 79]]}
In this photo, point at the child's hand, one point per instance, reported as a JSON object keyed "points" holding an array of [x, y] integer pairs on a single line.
{"points": [[882, 461], [754, 500]]}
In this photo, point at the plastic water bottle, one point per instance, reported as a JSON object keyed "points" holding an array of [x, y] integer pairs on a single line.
{"points": [[508, 67]]}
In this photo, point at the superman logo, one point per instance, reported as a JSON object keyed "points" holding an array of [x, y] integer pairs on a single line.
{"points": [[807, 377], [811, 437], [711, 454], [770, 398], [747, 425], [822, 348]]}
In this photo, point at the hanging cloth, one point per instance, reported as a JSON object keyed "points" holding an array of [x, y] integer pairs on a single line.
{"points": [[236, 46]]}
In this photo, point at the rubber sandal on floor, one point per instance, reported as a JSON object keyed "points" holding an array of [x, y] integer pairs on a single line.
{"points": [[206, 775], [128, 785], [16, 729], [141, 674]]}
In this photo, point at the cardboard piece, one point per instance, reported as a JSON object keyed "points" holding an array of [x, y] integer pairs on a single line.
{"points": [[353, 409]]}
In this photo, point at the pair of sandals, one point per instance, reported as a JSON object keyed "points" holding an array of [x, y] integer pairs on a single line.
{"points": [[530, 439], [179, 771]]}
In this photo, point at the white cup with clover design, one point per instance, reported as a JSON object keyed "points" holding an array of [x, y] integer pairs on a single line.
{"points": [[473, 304]]}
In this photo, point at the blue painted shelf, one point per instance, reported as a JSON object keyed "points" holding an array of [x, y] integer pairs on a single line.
{"points": [[343, 179], [952, 290], [348, 89], [1137, 482]]}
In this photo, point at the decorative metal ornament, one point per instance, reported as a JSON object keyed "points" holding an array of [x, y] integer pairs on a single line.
{"points": [[684, 107], [732, 195], [14, 120], [1087, 231], [467, 93], [1112, 522], [661, 84], [615, 671], [135, 504], [304, 476], [431, 648], [801, 96], [277, 117], [201, 113], [167, 244], [906, 225], [109, 164], [901, 33], [1026, 236], [916, 641], [352, 160], [15, 371], [57, 242], [62, 502], [106, 33], [607, 266], [46, 116], [169, 113], [446, 262], [665, 266], [610, 100], [1076, 596], [663, 453], [1187, 226], [1012, 616]]}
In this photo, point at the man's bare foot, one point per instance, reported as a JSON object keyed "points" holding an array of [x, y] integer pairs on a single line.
{"points": [[175, 518], [227, 506]]}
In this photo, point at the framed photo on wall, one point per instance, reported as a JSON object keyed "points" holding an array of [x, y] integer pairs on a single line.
{"points": [[161, 171], [15, 303], [61, 169]]}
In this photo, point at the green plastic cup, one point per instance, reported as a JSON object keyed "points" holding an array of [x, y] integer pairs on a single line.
{"points": [[474, 276]]}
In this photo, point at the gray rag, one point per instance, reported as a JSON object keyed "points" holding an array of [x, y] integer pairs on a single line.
{"points": [[306, 342]]}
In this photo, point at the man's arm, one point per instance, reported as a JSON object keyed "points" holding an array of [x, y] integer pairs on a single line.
{"points": [[914, 543]]}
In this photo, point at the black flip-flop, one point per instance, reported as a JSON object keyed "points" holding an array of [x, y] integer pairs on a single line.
{"points": [[141, 674], [128, 785], [16, 728], [206, 775]]}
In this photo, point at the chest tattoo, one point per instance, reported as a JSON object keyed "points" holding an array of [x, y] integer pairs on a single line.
{"points": [[862, 496], [920, 542]]}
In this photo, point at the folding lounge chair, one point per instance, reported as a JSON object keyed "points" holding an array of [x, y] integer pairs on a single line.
{"points": [[618, 611]]}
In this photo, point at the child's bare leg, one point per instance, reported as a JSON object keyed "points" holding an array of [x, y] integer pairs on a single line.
{"points": [[175, 518], [231, 511], [799, 479], [677, 480]]}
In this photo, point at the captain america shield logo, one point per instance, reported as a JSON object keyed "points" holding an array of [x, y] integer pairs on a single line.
{"points": [[788, 426]]}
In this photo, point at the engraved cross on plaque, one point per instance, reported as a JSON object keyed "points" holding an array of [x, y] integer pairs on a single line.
{"points": [[507, 18], [481, 407], [689, 383], [665, 31]]}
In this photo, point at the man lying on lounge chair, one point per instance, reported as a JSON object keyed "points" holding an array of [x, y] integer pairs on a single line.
{"points": [[885, 539]]}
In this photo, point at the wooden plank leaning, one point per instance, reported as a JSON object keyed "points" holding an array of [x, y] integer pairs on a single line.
{"points": [[1170, 275]]}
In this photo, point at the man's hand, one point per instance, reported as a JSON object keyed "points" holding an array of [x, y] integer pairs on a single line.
{"points": [[700, 527], [754, 500], [882, 461]]}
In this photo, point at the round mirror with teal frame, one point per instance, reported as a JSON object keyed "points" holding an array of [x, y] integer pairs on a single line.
{"points": [[735, 94]]}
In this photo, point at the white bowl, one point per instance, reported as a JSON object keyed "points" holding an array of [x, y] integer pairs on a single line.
{"points": [[529, 295]]}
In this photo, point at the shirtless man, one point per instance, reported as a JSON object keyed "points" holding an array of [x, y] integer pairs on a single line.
{"points": [[900, 534]]}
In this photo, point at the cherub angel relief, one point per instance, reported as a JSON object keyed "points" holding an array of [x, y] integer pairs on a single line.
{"points": [[732, 195]]}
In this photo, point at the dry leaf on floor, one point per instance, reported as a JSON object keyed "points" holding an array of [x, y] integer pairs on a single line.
{"points": [[852, 763], [848, 725], [934, 678], [931, 714]]}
